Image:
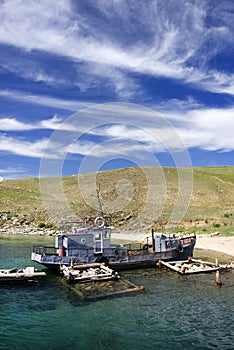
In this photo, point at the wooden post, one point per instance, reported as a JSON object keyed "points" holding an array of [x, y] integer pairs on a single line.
{"points": [[190, 260], [218, 278], [153, 241], [159, 264]]}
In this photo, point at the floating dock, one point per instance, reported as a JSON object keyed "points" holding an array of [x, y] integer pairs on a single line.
{"points": [[96, 281], [192, 266], [94, 272], [20, 275]]}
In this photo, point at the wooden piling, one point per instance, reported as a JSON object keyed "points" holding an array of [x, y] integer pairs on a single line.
{"points": [[159, 264], [218, 278]]}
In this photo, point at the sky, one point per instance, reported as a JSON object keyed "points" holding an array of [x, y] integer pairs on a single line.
{"points": [[92, 85]]}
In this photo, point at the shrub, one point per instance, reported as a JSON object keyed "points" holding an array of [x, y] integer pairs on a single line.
{"points": [[41, 225], [216, 224], [46, 225]]}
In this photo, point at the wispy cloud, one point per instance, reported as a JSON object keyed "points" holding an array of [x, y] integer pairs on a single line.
{"points": [[9, 173], [44, 100], [12, 124], [204, 128], [166, 44], [10, 170], [22, 147]]}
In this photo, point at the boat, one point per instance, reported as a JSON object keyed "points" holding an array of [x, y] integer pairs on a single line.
{"points": [[20, 275], [82, 273], [86, 244]]}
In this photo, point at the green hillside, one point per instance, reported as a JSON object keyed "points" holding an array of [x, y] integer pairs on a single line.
{"points": [[124, 194]]}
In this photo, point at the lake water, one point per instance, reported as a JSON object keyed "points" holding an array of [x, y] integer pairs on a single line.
{"points": [[173, 312]]}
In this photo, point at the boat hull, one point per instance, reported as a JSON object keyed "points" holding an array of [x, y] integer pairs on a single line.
{"points": [[135, 260]]}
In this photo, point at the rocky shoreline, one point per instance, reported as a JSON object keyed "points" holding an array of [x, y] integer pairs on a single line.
{"points": [[29, 231]]}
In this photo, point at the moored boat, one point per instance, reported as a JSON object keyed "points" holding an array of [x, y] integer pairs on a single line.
{"points": [[92, 244]]}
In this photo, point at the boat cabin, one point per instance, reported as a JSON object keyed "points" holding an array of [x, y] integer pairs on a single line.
{"points": [[83, 240]]}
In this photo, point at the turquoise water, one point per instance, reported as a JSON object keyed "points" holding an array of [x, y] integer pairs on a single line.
{"points": [[174, 312]]}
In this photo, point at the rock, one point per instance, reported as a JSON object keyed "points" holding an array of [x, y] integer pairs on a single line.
{"points": [[214, 234]]}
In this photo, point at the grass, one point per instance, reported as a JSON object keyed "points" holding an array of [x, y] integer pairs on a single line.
{"points": [[211, 207]]}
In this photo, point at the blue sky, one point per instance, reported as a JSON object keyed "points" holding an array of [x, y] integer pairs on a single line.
{"points": [[115, 83]]}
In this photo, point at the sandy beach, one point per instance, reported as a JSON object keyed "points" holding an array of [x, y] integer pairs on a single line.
{"points": [[223, 244]]}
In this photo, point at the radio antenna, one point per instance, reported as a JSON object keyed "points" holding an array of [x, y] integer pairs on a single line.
{"points": [[99, 201]]}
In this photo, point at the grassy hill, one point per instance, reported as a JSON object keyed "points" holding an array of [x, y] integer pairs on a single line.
{"points": [[147, 194]]}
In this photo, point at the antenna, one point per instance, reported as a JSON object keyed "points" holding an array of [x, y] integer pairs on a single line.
{"points": [[99, 201]]}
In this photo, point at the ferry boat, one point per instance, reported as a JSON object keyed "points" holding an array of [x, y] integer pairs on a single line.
{"points": [[92, 244]]}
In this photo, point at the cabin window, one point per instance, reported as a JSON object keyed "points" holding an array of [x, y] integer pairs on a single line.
{"points": [[97, 236], [106, 234]]}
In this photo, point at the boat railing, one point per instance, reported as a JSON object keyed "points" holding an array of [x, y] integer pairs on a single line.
{"points": [[179, 235], [49, 251], [42, 250], [136, 246]]}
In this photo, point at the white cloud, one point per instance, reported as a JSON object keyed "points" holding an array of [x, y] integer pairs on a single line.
{"points": [[44, 100], [154, 39], [9, 170], [10, 173], [22, 147], [210, 129], [128, 128], [11, 124]]}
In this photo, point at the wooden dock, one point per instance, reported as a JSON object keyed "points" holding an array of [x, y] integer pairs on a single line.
{"points": [[94, 272], [192, 266], [20, 275]]}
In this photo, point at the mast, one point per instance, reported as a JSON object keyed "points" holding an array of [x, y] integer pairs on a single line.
{"points": [[99, 201]]}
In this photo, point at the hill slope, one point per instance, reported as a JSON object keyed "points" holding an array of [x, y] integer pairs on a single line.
{"points": [[132, 198]]}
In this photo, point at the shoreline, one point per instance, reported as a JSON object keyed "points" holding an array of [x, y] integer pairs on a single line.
{"points": [[221, 244], [212, 255]]}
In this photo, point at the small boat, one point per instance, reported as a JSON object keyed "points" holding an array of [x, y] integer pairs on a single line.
{"points": [[86, 244], [88, 273], [191, 266], [20, 275]]}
